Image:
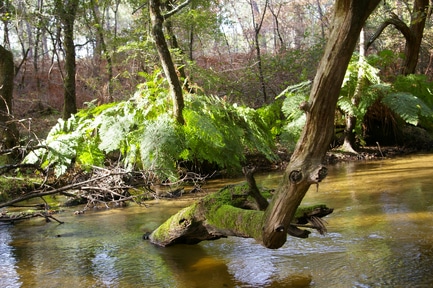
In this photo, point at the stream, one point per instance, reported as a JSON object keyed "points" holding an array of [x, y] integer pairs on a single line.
{"points": [[380, 235]]}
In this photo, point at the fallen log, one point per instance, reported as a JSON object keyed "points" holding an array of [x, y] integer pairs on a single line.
{"points": [[227, 213]]}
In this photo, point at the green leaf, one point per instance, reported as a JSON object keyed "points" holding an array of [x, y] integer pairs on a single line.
{"points": [[407, 106]]}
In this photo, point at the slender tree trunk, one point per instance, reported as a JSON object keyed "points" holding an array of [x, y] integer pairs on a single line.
{"points": [[67, 12], [257, 28], [9, 133], [37, 43], [349, 133], [277, 34], [4, 10], [175, 45], [103, 49], [166, 60]]}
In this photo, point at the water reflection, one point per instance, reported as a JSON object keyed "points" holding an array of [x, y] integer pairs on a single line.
{"points": [[380, 235], [8, 274]]}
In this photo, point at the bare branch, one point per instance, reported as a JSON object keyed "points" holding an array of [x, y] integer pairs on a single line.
{"points": [[176, 9]]}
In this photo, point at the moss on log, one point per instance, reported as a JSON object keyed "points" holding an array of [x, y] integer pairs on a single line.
{"points": [[224, 213]]}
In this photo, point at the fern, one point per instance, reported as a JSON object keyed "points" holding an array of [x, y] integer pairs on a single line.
{"points": [[145, 136], [409, 107], [416, 84], [219, 132], [161, 143], [295, 117]]}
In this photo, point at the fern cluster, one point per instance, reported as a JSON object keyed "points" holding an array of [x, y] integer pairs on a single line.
{"points": [[295, 117], [409, 97], [141, 134]]}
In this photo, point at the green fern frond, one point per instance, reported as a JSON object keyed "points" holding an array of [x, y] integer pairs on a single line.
{"points": [[407, 106], [161, 143]]}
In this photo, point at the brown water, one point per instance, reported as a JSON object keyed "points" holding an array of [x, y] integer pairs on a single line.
{"points": [[380, 235]]}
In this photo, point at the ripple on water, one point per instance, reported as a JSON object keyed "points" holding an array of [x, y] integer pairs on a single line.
{"points": [[8, 274]]}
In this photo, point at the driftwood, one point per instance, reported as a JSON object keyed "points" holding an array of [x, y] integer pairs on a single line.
{"points": [[13, 217]]}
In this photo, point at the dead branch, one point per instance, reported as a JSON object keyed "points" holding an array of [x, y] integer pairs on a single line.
{"points": [[11, 218]]}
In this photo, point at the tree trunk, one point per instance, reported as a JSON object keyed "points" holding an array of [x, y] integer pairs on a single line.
{"points": [[166, 60], [102, 49], [413, 43], [412, 34], [67, 12], [8, 130], [213, 218], [257, 28], [305, 166], [349, 131], [175, 45]]}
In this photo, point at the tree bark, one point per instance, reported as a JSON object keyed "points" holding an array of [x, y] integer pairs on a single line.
{"points": [[257, 28], [175, 45], [413, 44], [9, 132], [102, 50], [166, 60]]}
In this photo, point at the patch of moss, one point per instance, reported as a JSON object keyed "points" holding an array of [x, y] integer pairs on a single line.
{"points": [[12, 187], [230, 218], [174, 223]]}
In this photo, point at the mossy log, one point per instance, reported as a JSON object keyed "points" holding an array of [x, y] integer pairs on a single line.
{"points": [[228, 212]]}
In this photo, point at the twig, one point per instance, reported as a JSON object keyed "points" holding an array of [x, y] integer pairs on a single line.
{"points": [[380, 150]]}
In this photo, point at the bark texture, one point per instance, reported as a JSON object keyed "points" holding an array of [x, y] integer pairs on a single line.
{"points": [[67, 12]]}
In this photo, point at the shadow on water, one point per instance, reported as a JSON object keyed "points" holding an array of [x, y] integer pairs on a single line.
{"points": [[380, 235]]}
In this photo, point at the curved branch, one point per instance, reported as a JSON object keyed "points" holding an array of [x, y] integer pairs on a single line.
{"points": [[398, 24], [176, 9]]}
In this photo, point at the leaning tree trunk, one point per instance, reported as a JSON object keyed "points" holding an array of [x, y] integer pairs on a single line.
{"points": [[305, 167], [8, 130], [413, 43]]}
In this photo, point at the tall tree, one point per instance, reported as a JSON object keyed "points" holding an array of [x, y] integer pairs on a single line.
{"points": [[67, 11], [167, 63], [257, 24], [101, 46], [305, 167], [413, 33]]}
